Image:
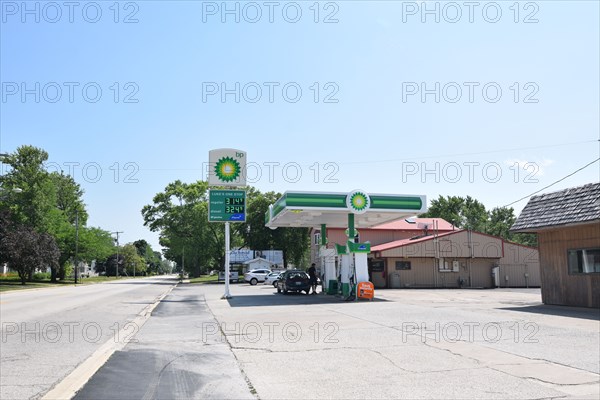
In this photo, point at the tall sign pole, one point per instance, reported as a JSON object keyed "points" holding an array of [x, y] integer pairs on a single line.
{"points": [[227, 294], [227, 168]]}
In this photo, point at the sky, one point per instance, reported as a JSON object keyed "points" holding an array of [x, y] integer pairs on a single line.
{"points": [[495, 100]]}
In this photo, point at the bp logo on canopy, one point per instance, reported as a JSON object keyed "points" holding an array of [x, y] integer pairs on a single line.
{"points": [[358, 201]]}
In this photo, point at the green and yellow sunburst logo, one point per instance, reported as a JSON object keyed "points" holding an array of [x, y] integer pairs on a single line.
{"points": [[227, 169], [358, 201]]}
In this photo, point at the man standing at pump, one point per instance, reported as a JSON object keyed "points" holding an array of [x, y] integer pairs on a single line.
{"points": [[312, 273]]}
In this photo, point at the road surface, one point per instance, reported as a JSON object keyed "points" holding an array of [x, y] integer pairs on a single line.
{"points": [[47, 333]]}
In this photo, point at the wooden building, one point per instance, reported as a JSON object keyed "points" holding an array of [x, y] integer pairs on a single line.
{"points": [[431, 252], [567, 223], [454, 259]]}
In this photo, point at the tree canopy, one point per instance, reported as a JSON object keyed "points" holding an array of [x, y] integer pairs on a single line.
{"points": [[468, 213]]}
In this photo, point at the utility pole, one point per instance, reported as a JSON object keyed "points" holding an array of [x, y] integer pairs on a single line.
{"points": [[117, 240], [76, 244]]}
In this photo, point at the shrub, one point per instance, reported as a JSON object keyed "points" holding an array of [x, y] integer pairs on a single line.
{"points": [[39, 276]]}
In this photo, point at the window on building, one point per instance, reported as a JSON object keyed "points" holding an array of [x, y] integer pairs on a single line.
{"points": [[583, 261], [402, 265], [317, 238]]}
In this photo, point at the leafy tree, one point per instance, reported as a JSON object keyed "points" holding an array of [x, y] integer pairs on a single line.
{"points": [[150, 257], [26, 250], [134, 264], [469, 213], [109, 266], [466, 213], [32, 206], [180, 214], [69, 198], [95, 244], [500, 221]]}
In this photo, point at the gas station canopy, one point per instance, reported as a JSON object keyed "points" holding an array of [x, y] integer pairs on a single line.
{"points": [[312, 209]]}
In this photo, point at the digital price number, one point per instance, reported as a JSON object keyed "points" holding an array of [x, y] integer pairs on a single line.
{"points": [[234, 205]]}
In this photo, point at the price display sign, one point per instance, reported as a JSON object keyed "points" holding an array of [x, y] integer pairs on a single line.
{"points": [[227, 206]]}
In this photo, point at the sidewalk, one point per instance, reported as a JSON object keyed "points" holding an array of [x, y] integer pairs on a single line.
{"points": [[169, 359]]}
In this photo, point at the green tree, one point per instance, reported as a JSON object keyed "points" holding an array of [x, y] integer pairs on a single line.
{"points": [[294, 242], [180, 215], [468, 213], [151, 258], [24, 249], [134, 264], [33, 204], [69, 211], [95, 244]]}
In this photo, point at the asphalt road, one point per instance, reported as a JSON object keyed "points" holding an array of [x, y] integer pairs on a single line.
{"points": [[47, 333]]}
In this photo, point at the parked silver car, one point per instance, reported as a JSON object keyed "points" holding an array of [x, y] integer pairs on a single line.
{"points": [[256, 275], [272, 278]]}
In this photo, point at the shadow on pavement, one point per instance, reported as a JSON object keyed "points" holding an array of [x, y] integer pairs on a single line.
{"points": [[290, 299], [562, 311]]}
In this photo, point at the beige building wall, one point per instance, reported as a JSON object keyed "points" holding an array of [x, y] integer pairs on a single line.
{"points": [[457, 245], [475, 255], [425, 273], [520, 266]]}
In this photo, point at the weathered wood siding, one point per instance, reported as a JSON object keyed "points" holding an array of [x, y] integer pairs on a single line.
{"points": [[558, 286]]}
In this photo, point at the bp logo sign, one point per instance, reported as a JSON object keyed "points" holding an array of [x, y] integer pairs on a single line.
{"points": [[358, 201], [227, 169]]}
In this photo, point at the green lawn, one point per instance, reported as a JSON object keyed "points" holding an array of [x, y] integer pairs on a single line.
{"points": [[13, 282], [205, 279]]}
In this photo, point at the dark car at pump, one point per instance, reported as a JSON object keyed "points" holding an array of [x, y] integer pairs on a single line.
{"points": [[293, 281]]}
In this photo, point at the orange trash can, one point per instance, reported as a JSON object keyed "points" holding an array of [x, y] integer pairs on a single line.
{"points": [[365, 290]]}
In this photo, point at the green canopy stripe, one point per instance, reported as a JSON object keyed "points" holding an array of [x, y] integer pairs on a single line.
{"points": [[408, 203]]}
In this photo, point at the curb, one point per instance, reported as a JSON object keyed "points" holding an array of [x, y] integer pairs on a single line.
{"points": [[72, 383]]}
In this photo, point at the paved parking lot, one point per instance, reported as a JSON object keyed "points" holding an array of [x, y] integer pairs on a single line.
{"points": [[467, 344]]}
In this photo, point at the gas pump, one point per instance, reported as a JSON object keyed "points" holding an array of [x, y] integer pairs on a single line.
{"points": [[328, 270], [363, 288]]}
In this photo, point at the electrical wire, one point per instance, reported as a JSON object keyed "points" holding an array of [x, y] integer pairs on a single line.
{"points": [[554, 183]]}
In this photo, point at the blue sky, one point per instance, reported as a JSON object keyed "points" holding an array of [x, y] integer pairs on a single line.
{"points": [[367, 125]]}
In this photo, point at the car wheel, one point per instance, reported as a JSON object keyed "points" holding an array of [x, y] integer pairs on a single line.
{"points": [[275, 284], [253, 281]]}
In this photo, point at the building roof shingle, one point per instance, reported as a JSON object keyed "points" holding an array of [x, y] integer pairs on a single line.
{"points": [[576, 205]]}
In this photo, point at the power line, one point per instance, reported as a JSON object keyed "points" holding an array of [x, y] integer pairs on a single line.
{"points": [[424, 157], [554, 183]]}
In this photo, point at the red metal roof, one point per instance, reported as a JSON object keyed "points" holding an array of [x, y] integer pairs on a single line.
{"points": [[406, 242], [402, 225]]}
